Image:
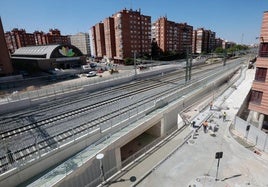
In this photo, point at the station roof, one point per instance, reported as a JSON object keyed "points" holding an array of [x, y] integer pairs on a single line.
{"points": [[48, 51], [44, 50]]}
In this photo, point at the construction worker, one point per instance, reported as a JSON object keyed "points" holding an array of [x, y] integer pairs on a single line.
{"points": [[205, 126]]}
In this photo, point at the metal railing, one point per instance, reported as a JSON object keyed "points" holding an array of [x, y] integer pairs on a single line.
{"points": [[58, 88]]}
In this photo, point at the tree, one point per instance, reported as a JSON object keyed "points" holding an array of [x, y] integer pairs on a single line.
{"points": [[129, 61], [155, 50], [219, 50]]}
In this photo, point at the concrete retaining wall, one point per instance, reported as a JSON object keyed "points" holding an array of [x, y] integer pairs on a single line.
{"points": [[24, 172]]}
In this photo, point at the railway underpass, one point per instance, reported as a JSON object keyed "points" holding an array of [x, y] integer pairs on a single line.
{"points": [[138, 143]]}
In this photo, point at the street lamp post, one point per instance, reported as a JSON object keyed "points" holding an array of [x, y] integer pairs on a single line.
{"points": [[188, 65], [225, 58], [100, 157], [135, 65]]}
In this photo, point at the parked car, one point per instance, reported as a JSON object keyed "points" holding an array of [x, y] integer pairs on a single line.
{"points": [[91, 74]]}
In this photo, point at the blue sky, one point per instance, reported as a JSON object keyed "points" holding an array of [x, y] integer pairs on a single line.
{"points": [[233, 20]]}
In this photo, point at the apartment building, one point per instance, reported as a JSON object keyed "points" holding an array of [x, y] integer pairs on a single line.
{"points": [[40, 38], [132, 34], [109, 35], [54, 37], [219, 42], [258, 102], [81, 41], [227, 44], [122, 35], [171, 36], [17, 38], [185, 37], [99, 39], [93, 43], [204, 41], [211, 41], [5, 62]]}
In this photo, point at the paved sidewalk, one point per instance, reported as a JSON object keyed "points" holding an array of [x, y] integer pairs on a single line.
{"points": [[194, 163]]}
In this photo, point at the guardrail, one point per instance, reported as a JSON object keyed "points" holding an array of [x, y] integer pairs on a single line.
{"points": [[58, 89]]}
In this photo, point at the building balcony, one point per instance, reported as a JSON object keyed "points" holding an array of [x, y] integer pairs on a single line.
{"points": [[263, 50], [263, 54]]}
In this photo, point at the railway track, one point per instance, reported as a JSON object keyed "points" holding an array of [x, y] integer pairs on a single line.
{"points": [[62, 102], [51, 141], [76, 112], [64, 136]]}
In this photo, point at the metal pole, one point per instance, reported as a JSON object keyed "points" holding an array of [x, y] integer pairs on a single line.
{"points": [[102, 171], [100, 157], [218, 165], [187, 66], [218, 156], [225, 58], [135, 66], [190, 66]]}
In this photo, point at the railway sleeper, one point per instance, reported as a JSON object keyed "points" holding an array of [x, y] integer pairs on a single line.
{"points": [[81, 128], [3, 161], [62, 135], [26, 155], [69, 133], [34, 148], [78, 132], [58, 137], [95, 122], [64, 138], [4, 167]]}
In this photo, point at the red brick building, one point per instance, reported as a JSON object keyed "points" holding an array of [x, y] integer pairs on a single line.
{"points": [[132, 33], [120, 36], [99, 40], [5, 62], [54, 37], [40, 38], [19, 38], [173, 37], [258, 104], [109, 35], [204, 41]]}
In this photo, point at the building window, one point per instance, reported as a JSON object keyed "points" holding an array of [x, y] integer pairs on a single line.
{"points": [[263, 51], [256, 97], [260, 74]]}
